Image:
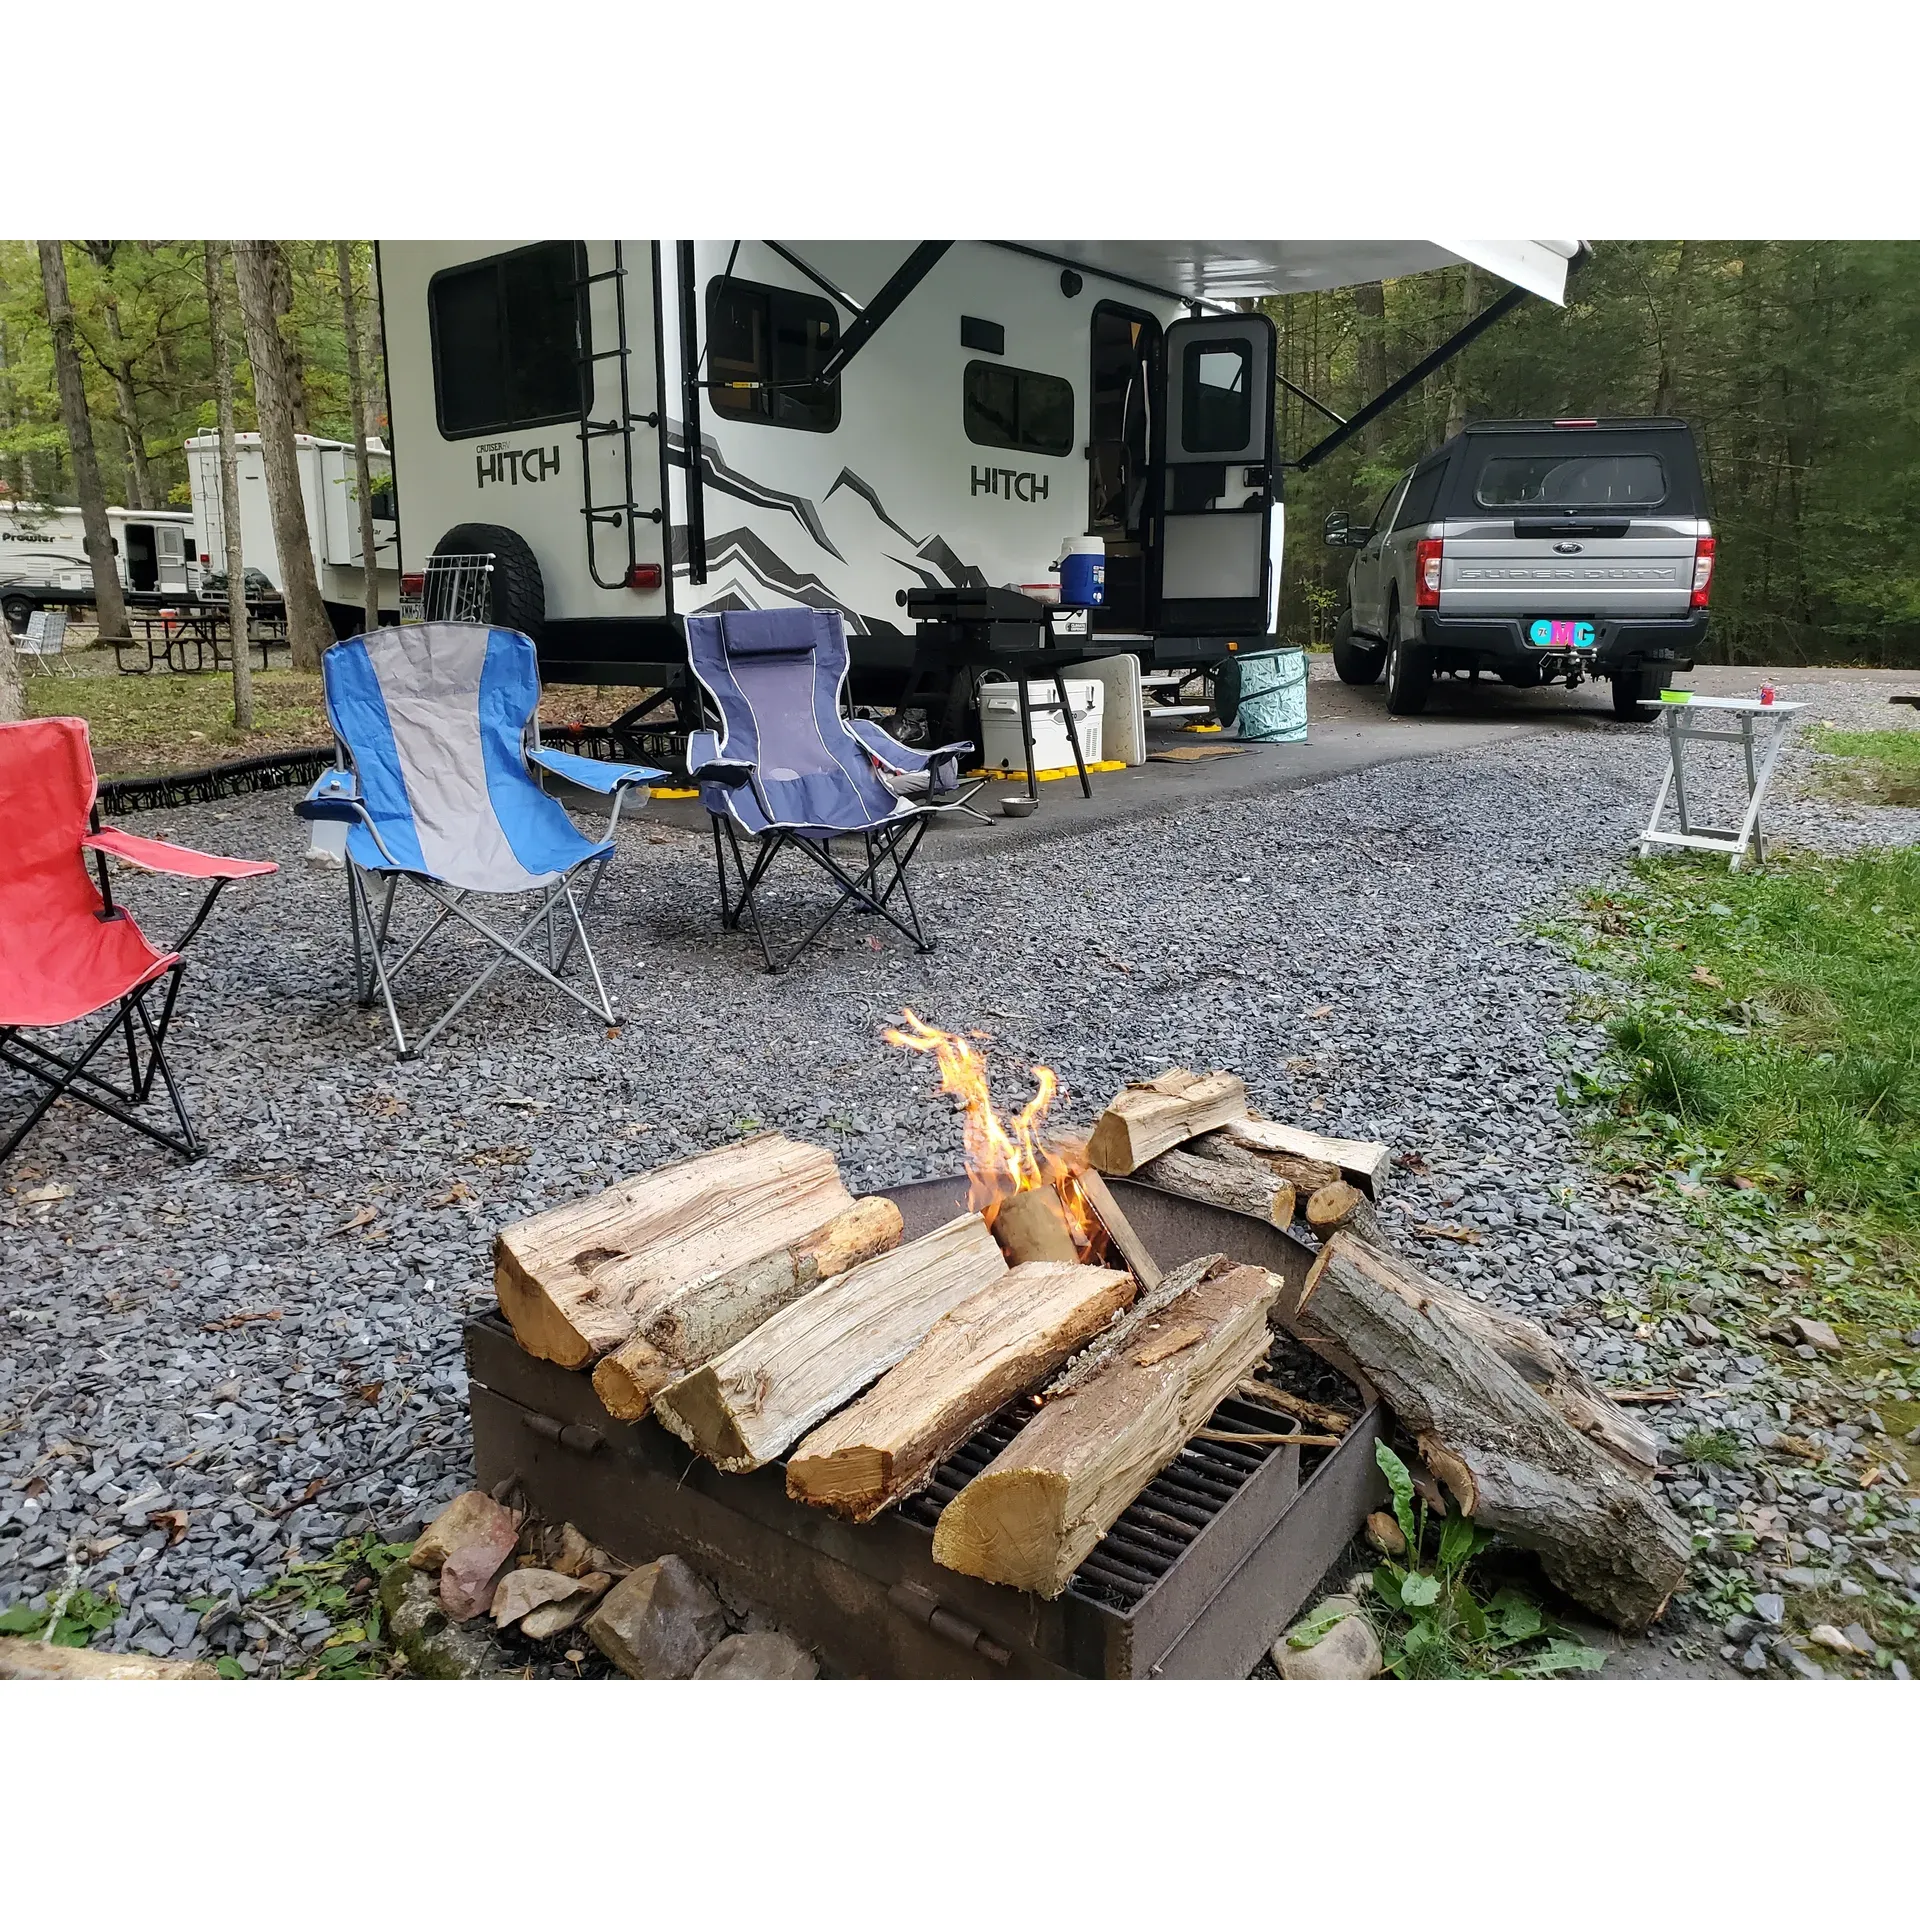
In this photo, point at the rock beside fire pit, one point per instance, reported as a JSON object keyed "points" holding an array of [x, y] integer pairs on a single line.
{"points": [[758, 1656], [1348, 1650], [660, 1622]]}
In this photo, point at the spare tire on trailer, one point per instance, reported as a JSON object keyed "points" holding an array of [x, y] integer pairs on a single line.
{"points": [[1226, 691], [519, 591]]}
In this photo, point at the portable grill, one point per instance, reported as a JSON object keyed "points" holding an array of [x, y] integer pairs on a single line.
{"points": [[1193, 1581]]}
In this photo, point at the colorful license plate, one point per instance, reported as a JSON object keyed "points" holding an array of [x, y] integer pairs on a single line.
{"points": [[1561, 633]]}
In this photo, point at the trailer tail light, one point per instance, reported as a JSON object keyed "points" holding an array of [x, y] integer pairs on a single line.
{"points": [[1426, 572], [644, 578], [1702, 571], [413, 585]]}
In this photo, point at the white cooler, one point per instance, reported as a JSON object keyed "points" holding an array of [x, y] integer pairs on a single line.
{"points": [[1052, 749]]}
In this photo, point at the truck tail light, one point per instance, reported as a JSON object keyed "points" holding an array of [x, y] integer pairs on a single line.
{"points": [[644, 577], [1426, 572], [1702, 571]]}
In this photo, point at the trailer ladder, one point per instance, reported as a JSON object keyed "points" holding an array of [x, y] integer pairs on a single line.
{"points": [[627, 510]]}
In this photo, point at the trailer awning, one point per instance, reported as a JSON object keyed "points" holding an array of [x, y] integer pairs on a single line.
{"points": [[1246, 269]]}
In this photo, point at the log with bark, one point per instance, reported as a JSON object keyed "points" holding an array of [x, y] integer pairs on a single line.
{"points": [[1362, 1163], [745, 1408], [1233, 1144], [1032, 1225], [677, 1328], [1502, 1442], [1242, 1184], [1150, 1116], [575, 1282], [1340, 1208], [1032, 1516], [1003, 1340]]}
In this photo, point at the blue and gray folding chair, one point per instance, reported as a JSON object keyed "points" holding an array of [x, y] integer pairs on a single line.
{"points": [[438, 782], [788, 769]]}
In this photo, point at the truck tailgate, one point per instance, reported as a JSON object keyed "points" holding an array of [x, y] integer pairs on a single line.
{"points": [[1646, 573]]}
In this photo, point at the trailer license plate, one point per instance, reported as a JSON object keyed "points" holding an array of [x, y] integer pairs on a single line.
{"points": [[1561, 633]]}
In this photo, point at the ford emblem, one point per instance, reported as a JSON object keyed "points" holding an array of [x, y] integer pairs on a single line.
{"points": [[1566, 546]]}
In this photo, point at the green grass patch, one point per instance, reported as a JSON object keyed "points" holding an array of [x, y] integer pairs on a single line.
{"points": [[1881, 767]]}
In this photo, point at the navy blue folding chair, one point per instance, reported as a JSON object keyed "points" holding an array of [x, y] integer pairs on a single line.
{"points": [[787, 769], [440, 759]]}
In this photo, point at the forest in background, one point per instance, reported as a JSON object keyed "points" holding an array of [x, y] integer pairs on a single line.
{"points": [[1796, 363]]}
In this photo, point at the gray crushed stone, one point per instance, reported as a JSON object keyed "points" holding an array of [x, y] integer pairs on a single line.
{"points": [[268, 1340]]}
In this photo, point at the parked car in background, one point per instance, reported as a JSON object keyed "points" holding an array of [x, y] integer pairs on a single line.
{"points": [[1541, 551]]}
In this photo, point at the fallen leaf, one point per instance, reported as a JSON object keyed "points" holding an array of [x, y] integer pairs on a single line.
{"points": [[1437, 1230], [372, 1391], [238, 1320], [34, 1488], [1705, 977], [1318, 1013], [453, 1196], [174, 1519], [45, 1196], [364, 1218]]}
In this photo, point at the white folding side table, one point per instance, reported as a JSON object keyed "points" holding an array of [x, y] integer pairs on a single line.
{"points": [[1761, 753]]}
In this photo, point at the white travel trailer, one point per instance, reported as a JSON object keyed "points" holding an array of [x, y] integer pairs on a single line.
{"points": [[43, 556], [872, 420], [327, 488]]}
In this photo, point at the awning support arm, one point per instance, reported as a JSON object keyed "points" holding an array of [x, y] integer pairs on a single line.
{"points": [[1319, 406], [1438, 358], [818, 278], [876, 313]]}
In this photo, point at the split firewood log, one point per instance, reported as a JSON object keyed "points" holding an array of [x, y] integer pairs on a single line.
{"points": [[1340, 1208], [1150, 1116], [999, 1342], [1362, 1163], [1122, 1238], [1500, 1442], [1032, 1516], [575, 1281], [678, 1328], [1244, 1184], [1032, 1226], [1231, 1144], [746, 1407]]}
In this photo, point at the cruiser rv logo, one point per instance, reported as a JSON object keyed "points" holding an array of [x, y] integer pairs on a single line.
{"points": [[1006, 484], [508, 466]]}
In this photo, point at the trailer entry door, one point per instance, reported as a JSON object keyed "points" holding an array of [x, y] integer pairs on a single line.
{"points": [[1218, 476]]}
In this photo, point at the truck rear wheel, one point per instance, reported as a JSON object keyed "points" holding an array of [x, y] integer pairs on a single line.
{"points": [[519, 592], [1409, 669], [1358, 666], [1629, 689]]}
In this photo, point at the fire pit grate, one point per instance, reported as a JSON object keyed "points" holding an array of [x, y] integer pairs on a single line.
{"points": [[1143, 1545]]}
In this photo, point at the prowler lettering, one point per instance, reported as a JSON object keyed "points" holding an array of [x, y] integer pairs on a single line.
{"points": [[511, 465], [1005, 483]]}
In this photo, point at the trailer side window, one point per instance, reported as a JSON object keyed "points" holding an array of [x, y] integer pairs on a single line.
{"points": [[507, 340], [1216, 405], [774, 342], [1012, 407]]}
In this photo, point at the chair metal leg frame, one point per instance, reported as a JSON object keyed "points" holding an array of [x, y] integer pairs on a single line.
{"points": [[892, 845], [70, 1077], [453, 905]]}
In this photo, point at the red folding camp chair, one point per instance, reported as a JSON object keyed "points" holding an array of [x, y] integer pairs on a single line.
{"points": [[66, 950]]}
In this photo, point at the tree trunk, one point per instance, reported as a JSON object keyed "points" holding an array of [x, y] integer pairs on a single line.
{"points": [[214, 271], [1457, 368], [674, 1334], [575, 1282], [1370, 318], [1006, 1338], [139, 482], [1673, 344], [362, 466], [1496, 1437], [1032, 1516], [746, 1408], [309, 632], [110, 603], [280, 293]]}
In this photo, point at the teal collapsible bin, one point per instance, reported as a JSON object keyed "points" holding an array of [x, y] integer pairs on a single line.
{"points": [[1273, 695]]}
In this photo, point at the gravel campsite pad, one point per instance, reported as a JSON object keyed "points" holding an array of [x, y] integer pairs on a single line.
{"points": [[212, 1370]]}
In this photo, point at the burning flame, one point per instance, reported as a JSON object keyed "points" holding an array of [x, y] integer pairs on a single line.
{"points": [[1004, 1157]]}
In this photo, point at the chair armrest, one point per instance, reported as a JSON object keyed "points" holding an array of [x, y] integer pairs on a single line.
{"points": [[897, 757], [597, 776], [162, 856], [705, 764], [334, 796]]}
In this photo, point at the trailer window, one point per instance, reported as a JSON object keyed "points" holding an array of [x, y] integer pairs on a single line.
{"points": [[1011, 407], [1216, 400], [1559, 480], [774, 342], [507, 338]]}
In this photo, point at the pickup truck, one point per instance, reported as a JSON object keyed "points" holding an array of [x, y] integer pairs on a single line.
{"points": [[1540, 551]]}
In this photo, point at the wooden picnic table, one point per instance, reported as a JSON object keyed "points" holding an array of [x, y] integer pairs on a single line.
{"points": [[192, 633]]}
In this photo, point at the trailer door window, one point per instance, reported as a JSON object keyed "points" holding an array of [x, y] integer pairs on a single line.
{"points": [[507, 340], [1012, 407], [773, 342], [1216, 403]]}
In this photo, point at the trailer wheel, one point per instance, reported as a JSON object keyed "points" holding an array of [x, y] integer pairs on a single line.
{"points": [[1226, 691], [519, 592]]}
